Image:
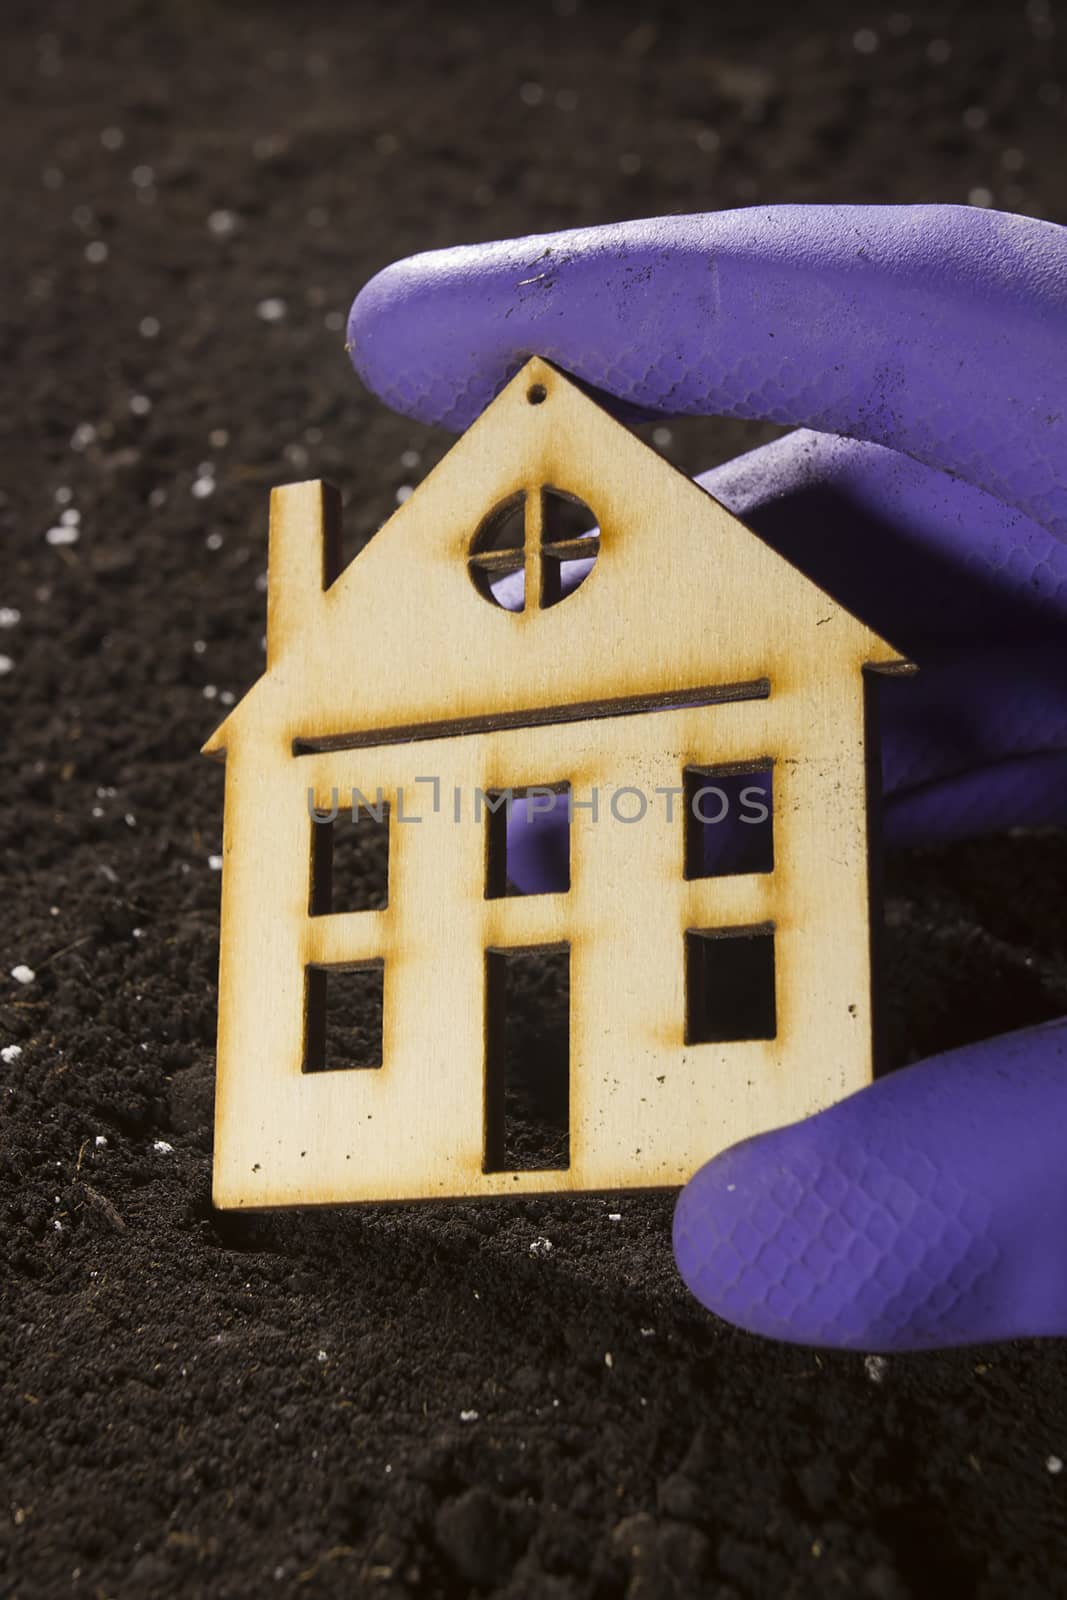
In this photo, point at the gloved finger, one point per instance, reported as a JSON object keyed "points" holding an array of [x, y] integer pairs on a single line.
{"points": [[936, 330], [1023, 792], [923, 558], [974, 592], [924, 1211]]}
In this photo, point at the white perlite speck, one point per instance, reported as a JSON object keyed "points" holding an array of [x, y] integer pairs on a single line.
{"points": [[215, 863], [23, 973], [875, 1367], [272, 309], [162, 1148], [1054, 1464], [10, 1053], [468, 1416], [6, 666], [541, 1247], [10, 616], [62, 534]]}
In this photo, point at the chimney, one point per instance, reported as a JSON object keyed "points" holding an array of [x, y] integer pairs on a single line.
{"points": [[303, 560]]}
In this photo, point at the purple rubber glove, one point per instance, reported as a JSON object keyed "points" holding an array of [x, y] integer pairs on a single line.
{"points": [[926, 347]]}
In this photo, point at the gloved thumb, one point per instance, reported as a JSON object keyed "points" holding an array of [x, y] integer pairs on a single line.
{"points": [[927, 1210]]}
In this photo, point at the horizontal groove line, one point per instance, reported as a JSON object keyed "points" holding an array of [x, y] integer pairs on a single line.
{"points": [[547, 716]]}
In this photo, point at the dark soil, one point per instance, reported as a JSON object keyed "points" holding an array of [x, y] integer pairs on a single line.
{"points": [[235, 1405]]}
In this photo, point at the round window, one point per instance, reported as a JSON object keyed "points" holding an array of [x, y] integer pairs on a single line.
{"points": [[534, 548]]}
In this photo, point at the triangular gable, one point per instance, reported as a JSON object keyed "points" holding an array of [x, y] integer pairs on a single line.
{"points": [[683, 595]]}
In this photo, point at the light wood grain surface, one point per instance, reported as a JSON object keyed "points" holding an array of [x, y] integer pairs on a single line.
{"points": [[392, 657]]}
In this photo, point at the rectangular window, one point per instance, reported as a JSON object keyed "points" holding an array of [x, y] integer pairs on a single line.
{"points": [[729, 980], [343, 1017], [527, 840], [527, 1059], [349, 860], [729, 822]]}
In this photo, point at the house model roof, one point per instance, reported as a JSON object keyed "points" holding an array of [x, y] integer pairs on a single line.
{"points": [[683, 594]]}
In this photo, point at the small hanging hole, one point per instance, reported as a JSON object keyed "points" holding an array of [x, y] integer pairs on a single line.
{"points": [[537, 394]]}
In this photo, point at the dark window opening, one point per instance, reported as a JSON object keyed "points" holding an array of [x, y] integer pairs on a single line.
{"points": [[729, 981], [569, 544], [350, 861], [343, 1017], [497, 554], [527, 840], [729, 820], [527, 1059]]}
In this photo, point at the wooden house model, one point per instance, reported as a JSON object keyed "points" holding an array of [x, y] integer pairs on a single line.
{"points": [[692, 650]]}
